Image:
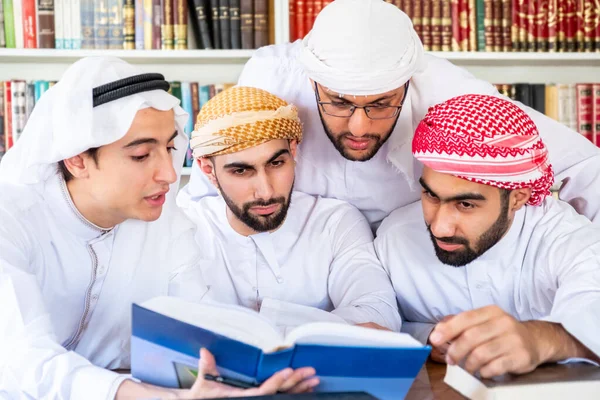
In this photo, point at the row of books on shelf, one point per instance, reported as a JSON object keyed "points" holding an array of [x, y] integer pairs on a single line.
{"points": [[134, 24], [486, 25], [574, 105], [18, 98]]}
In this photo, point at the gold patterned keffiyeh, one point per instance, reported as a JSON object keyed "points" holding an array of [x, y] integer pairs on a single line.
{"points": [[240, 118]]}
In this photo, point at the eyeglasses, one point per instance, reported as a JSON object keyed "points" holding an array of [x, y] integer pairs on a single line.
{"points": [[346, 110]]}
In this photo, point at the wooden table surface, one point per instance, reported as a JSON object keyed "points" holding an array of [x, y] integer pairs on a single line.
{"points": [[429, 384]]}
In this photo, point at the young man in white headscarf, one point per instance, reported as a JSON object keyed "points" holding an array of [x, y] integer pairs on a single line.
{"points": [[365, 53], [274, 248], [88, 225], [487, 267]]}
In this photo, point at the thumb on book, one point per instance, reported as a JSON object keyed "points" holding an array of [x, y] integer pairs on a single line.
{"points": [[207, 363]]}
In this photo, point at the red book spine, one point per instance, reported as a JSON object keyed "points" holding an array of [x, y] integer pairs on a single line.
{"points": [[463, 12], [318, 8], [552, 25], [292, 18], [561, 26], [571, 25], [407, 7], [301, 30], [506, 25], [540, 21], [436, 25], [417, 19], [8, 129], [579, 25], [516, 24], [454, 9], [531, 27], [590, 23], [426, 24], [523, 9], [309, 15], [596, 112], [29, 24], [585, 109]]}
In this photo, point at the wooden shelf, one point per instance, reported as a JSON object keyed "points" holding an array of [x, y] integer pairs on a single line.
{"points": [[133, 56]]}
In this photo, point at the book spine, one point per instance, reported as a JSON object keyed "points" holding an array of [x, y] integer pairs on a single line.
{"points": [[186, 104], [224, 21], [2, 44], [29, 101], [408, 6], [531, 28], [216, 30], [201, 7], [100, 24], [455, 16], [579, 25], [480, 22], [8, 128], [129, 24], [318, 8], [552, 25], [591, 14], [597, 31], [563, 104], [436, 25], [515, 25], [596, 112], [426, 24], [472, 25], [115, 24], [29, 24], [561, 26], [584, 110], [446, 25], [538, 92], [203, 95], [506, 25], [139, 24], [156, 25], [58, 24], [235, 22], [195, 103], [18, 24], [463, 7], [497, 24], [309, 14], [261, 23], [551, 105], [488, 22], [247, 23], [541, 24], [166, 30], [180, 24], [571, 26], [45, 24], [9, 24], [2, 139], [291, 19], [18, 109], [417, 19], [76, 29], [300, 15], [67, 10], [147, 21]]}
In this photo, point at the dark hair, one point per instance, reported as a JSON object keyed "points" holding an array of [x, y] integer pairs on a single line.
{"points": [[504, 196], [67, 175]]}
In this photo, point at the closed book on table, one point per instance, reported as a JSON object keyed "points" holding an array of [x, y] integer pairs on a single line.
{"points": [[548, 382], [168, 332]]}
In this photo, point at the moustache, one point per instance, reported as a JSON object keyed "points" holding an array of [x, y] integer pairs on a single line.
{"points": [[264, 203], [365, 136], [449, 239]]}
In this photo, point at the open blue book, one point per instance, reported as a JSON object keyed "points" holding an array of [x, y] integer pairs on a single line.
{"points": [[168, 333]]}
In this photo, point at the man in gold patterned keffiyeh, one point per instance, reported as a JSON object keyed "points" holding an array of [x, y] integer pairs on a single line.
{"points": [[269, 248]]}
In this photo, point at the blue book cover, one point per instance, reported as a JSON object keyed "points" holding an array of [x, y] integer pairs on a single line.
{"points": [[167, 338]]}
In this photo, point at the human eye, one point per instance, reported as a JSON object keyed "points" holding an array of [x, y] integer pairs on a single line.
{"points": [[171, 148], [277, 163], [430, 196], [238, 171], [140, 158], [465, 205]]}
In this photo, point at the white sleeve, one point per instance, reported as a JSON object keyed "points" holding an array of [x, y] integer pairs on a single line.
{"points": [[32, 363], [418, 330], [575, 160], [359, 287], [574, 266]]}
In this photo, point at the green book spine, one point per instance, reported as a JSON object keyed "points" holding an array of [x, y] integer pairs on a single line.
{"points": [[9, 24], [480, 9], [176, 90]]}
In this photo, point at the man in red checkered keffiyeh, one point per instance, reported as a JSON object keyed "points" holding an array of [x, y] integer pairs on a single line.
{"points": [[487, 140], [521, 262]]}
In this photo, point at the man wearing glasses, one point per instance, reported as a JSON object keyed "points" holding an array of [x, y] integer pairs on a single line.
{"points": [[362, 82]]}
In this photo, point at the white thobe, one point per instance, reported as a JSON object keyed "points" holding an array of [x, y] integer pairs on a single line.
{"points": [[322, 256], [390, 179], [66, 289], [546, 267]]}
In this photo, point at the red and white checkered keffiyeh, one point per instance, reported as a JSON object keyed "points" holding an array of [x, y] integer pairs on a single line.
{"points": [[487, 140]]}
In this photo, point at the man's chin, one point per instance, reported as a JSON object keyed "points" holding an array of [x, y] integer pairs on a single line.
{"points": [[357, 155]]}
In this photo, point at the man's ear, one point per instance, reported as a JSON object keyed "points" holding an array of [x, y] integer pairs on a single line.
{"points": [[79, 165], [293, 148], [207, 167], [518, 198]]}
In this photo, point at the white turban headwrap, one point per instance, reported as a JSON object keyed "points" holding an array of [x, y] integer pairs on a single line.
{"points": [[362, 47], [64, 122]]}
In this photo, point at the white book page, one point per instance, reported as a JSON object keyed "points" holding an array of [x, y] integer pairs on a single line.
{"points": [[235, 322], [326, 333]]}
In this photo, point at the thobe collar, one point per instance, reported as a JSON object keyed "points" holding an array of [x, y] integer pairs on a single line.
{"points": [[60, 202], [508, 241]]}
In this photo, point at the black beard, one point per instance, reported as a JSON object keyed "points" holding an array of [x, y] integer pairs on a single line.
{"points": [[337, 142], [260, 223], [489, 238]]}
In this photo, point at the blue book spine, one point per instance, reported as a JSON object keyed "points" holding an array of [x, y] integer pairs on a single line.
{"points": [[186, 104], [204, 95], [139, 24], [87, 24]]}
